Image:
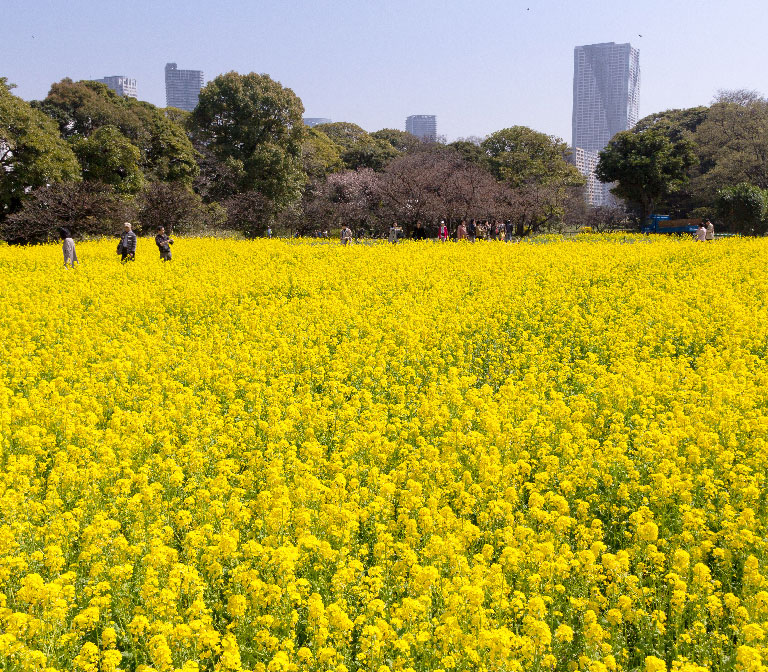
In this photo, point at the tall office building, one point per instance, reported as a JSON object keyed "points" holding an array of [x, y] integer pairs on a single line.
{"points": [[606, 93], [315, 121], [122, 86], [595, 192], [423, 126], [182, 87]]}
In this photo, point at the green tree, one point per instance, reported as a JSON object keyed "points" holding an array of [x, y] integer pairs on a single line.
{"points": [[254, 125], [678, 125], [744, 208], [181, 117], [32, 153], [359, 148], [646, 166], [520, 156], [533, 165], [402, 141], [469, 151], [82, 108], [732, 143], [320, 155], [167, 154], [108, 156]]}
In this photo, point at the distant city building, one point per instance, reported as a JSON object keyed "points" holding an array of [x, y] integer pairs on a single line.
{"points": [[182, 87], [596, 192], [316, 121], [606, 87], [122, 86], [423, 126], [606, 94]]}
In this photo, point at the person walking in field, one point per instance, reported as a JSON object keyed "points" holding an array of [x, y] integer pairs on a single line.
{"points": [[710, 231], [127, 246], [163, 243], [68, 247], [701, 233]]}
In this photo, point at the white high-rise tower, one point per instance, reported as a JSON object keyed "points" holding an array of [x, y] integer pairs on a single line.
{"points": [[606, 93]]}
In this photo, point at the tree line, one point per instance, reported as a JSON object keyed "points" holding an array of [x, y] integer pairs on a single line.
{"points": [[709, 162], [87, 159]]}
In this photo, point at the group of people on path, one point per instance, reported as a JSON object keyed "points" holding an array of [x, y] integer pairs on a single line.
{"points": [[485, 230], [706, 231], [126, 248], [472, 230]]}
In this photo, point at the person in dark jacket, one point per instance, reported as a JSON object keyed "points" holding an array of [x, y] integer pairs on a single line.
{"points": [[127, 246], [472, 230], [163, 243], [509, 231]]}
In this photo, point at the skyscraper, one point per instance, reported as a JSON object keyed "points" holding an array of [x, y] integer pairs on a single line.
{"points": [[182, 87], [606, 92], [595, 191], [606, 86], [423, 126], [121, 85]]}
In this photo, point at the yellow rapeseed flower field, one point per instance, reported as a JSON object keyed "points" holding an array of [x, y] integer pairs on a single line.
{"points": [[279, 456]]}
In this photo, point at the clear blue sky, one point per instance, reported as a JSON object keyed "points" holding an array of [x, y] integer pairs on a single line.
{"points": [[479, 66]]}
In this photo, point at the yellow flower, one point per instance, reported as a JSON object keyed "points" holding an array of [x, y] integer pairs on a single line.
{"points": [[564, 633], [283, 456]]}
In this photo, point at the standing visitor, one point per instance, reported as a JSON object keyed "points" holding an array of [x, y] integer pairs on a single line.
{"points": [[443, 235], [394, 232], [461, 232], [126, 248], [701, 233], [472, 230], [346, 235], [269, 232], [163, 243], [68, 247], [419, 233], [710, 231], [508, 231]]}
